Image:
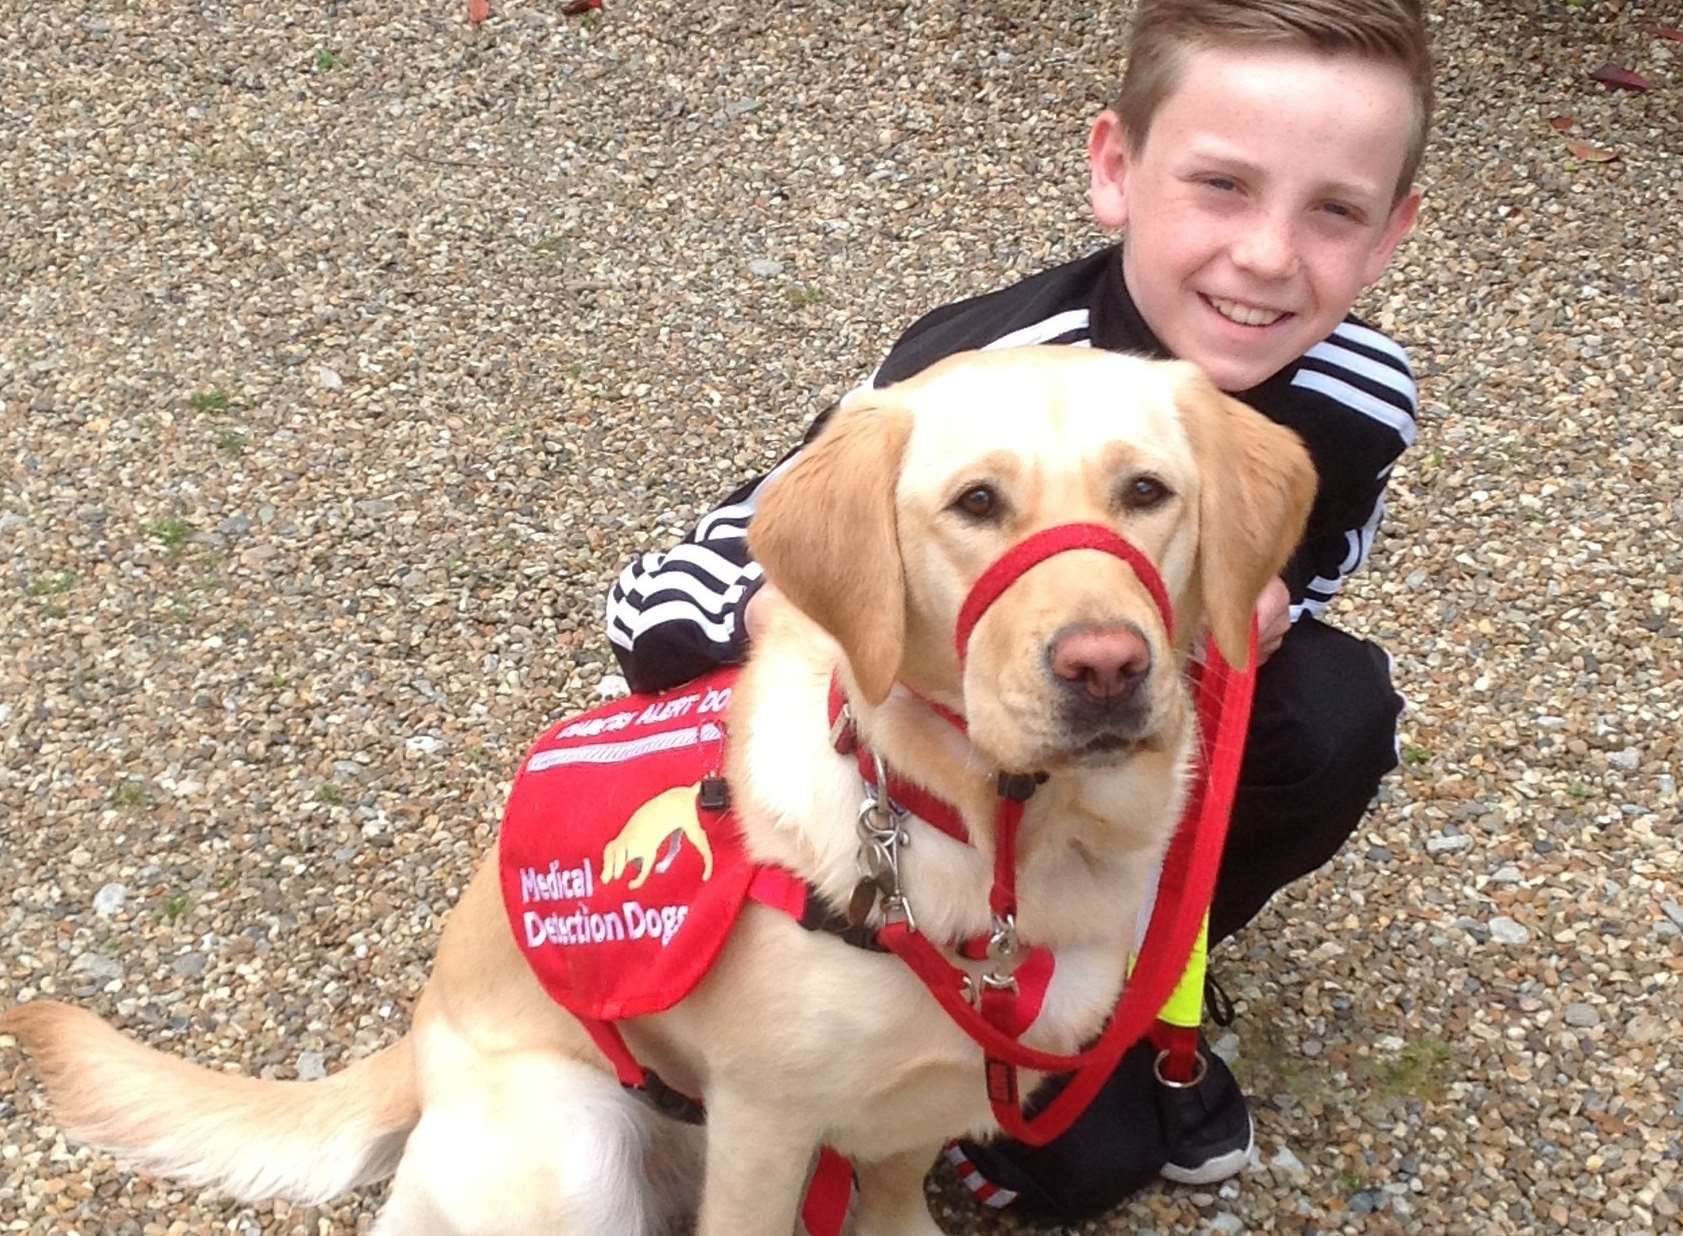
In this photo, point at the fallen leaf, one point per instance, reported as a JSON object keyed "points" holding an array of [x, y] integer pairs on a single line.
{"points": [[1593, 154], [1669, 32], [1615, 77], [1562, 123], [580, 6]]}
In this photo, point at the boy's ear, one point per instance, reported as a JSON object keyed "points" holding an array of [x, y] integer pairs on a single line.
{"points": [[1107, 170], [827, 535], [1398, 225]]}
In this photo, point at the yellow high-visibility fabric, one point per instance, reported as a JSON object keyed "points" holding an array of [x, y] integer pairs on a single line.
{"points": [[1185, 1008]]}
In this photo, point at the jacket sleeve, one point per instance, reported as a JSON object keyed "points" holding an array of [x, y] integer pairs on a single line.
{"points": [[1323, 562], [676, 615], [1365, 386]]}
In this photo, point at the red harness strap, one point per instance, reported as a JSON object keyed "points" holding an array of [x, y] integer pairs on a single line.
{"points": [[929, 808]]}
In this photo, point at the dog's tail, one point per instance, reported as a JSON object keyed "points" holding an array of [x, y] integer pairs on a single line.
{"points": [[304, 1142]]}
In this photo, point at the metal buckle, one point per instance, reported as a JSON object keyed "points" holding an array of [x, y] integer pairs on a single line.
{"points": [[839, 729]]}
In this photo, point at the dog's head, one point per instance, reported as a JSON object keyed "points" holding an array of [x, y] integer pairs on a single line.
{"points": [[882, 526]]}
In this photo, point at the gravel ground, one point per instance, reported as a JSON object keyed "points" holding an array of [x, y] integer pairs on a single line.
{"points": [[345, 353]]}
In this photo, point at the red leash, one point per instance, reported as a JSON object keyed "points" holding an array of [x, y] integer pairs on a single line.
{"points": [[1184, 891], [994, 1017]]}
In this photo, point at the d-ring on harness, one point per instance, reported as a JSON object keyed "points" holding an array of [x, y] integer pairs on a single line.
{"points": [[992, 1012]]}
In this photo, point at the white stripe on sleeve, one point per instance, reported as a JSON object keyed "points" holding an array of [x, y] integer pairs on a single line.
{"points": [[1374, 341], [1040, 332], [1366, 367], [1358, 400]]}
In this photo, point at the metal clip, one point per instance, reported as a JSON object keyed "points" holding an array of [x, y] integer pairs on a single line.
{"points": [[1002, 944], [897, 909], [881, 825], [999, 982], [974, 985]]}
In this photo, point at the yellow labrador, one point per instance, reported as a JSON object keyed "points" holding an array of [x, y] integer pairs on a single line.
{"points": [[497, 1112]]}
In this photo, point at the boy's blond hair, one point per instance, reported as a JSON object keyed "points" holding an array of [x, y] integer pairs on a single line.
{"points": [[1164, 32]]}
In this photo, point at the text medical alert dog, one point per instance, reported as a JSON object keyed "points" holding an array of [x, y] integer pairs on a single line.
{"points": [[1058, 529]]}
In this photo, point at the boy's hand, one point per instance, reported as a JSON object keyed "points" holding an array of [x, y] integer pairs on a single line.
{"points": [[760, 606], [1273, 618]]}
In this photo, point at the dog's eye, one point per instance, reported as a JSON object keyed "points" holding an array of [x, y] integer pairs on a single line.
{"points": [[1144, 492], [979, 502]]}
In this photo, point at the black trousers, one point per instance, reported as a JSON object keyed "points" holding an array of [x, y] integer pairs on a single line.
{"points": [[1323, 734]]}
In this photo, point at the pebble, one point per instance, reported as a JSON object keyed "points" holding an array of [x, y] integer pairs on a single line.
{"points": [[1287, 1163], [1367, 1201], [1645, 1028], [96, 966], [312, 1066], [1505, 930], [108, 901], [1580, 1015]]}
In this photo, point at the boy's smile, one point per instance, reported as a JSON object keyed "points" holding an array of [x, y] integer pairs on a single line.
{"points": [[1261, 203]]}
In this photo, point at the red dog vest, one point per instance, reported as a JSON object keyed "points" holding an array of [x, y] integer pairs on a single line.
{"points": [[622, 880], [619, 888]]}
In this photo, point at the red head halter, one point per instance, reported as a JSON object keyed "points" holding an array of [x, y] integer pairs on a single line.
{"points": [[1035, 549]]}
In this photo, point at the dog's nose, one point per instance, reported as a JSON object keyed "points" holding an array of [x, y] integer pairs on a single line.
{"points": [[1106, 662]]}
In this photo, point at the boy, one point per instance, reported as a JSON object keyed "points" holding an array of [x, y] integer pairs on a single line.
{"points": [[1259, 163]]}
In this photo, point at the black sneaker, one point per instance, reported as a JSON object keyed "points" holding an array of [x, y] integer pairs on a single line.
{"points": [[1206, 1123], [1114, 1149]]}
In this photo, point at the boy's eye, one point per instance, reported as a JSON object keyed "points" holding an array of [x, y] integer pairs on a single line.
{"points": [[1221, 183], [980, 502]]}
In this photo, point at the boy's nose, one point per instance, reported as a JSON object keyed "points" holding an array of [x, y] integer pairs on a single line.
{"points": [[1267, 249]]}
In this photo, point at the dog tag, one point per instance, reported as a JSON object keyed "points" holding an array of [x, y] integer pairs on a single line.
{"points": [[863, 901]]}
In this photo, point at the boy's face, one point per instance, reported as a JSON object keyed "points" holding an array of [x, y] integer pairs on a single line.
{"points": [[1261, 204]]}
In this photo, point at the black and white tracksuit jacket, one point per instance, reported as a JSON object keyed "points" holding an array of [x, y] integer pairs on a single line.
{"points": [[1352, 400]]}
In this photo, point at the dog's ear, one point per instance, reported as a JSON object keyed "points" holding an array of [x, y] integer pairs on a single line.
{"points": [[1256, 483], [826, 533]]}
